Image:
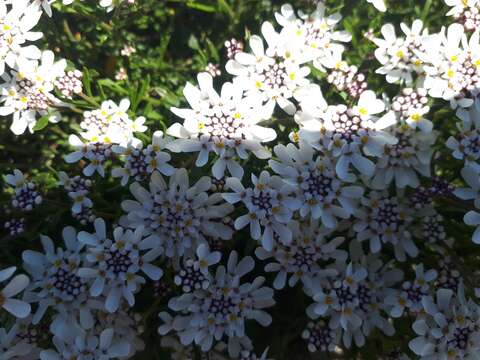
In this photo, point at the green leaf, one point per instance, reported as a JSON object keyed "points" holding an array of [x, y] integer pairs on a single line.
{"points": [[223, 6], [112, 85], [41, 123], [201, 7], [87, 81], [140, 94], [193, 43]]}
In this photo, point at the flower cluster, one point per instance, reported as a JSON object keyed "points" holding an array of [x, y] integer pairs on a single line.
{"points": [[220, 308], [342, 199]]}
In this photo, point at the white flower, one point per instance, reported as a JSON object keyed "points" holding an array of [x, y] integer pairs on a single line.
{"points": [[16, 285], [449, 328], [13, 347], [16, 180], [128, 50], [206, 315], [321, 337], [115, 264], [402, 162], [454, 72], [70, 83], [465, 12], [25, 196], [412, 293], [384, 219], [226, 124], [465, 145], [458, 6], [317, 188], [194, 273], [269, 206], [205, 258], [28, 92], [354, 299], [379, 4], [88, 345], [78, 189], [141, 162], [472, 192], [301, 259], [16, 21], [312, 37], [92, 150], [411, 106], [180, 216], [352, 136], [472, 218], [267, 77], [111, 124], [55, 279], [400, 57]]}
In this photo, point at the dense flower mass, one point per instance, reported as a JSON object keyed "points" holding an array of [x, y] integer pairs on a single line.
{"points": [[176, 215], [305, 194]]}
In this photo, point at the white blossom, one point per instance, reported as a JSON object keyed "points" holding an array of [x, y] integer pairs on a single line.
{"points": [[225, 124], [16, 285], [178, 215]]}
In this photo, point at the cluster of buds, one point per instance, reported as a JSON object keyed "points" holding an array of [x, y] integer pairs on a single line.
{"points": [[78, 188], [213, 70], [70, 83], [233, 47], [25, 196], [347, 78], [15, 226]]}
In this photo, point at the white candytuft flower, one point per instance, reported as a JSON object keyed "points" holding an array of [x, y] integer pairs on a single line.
{"points": [[17, 18], [379, 4], [140, 162], [111, 124], [28, 92], [411, 106], [453, 70], [272, 76], [465, 144], [225, 124], [25, 196], [385, 219], [269, 207], [70, 83], [318, 190], [403, 162], [465, 12], [77, 188], [305, 257], [209, 315], [351, 136], [16, 285], [347, 78], [353, 301], [312, 37], [402, 57], [448, 328], [55, 279], [115, 265], [178, 215], [410, 297]]}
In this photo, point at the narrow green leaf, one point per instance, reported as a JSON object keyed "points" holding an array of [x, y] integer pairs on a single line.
{"points": [[200, 6], [41, 123]]}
